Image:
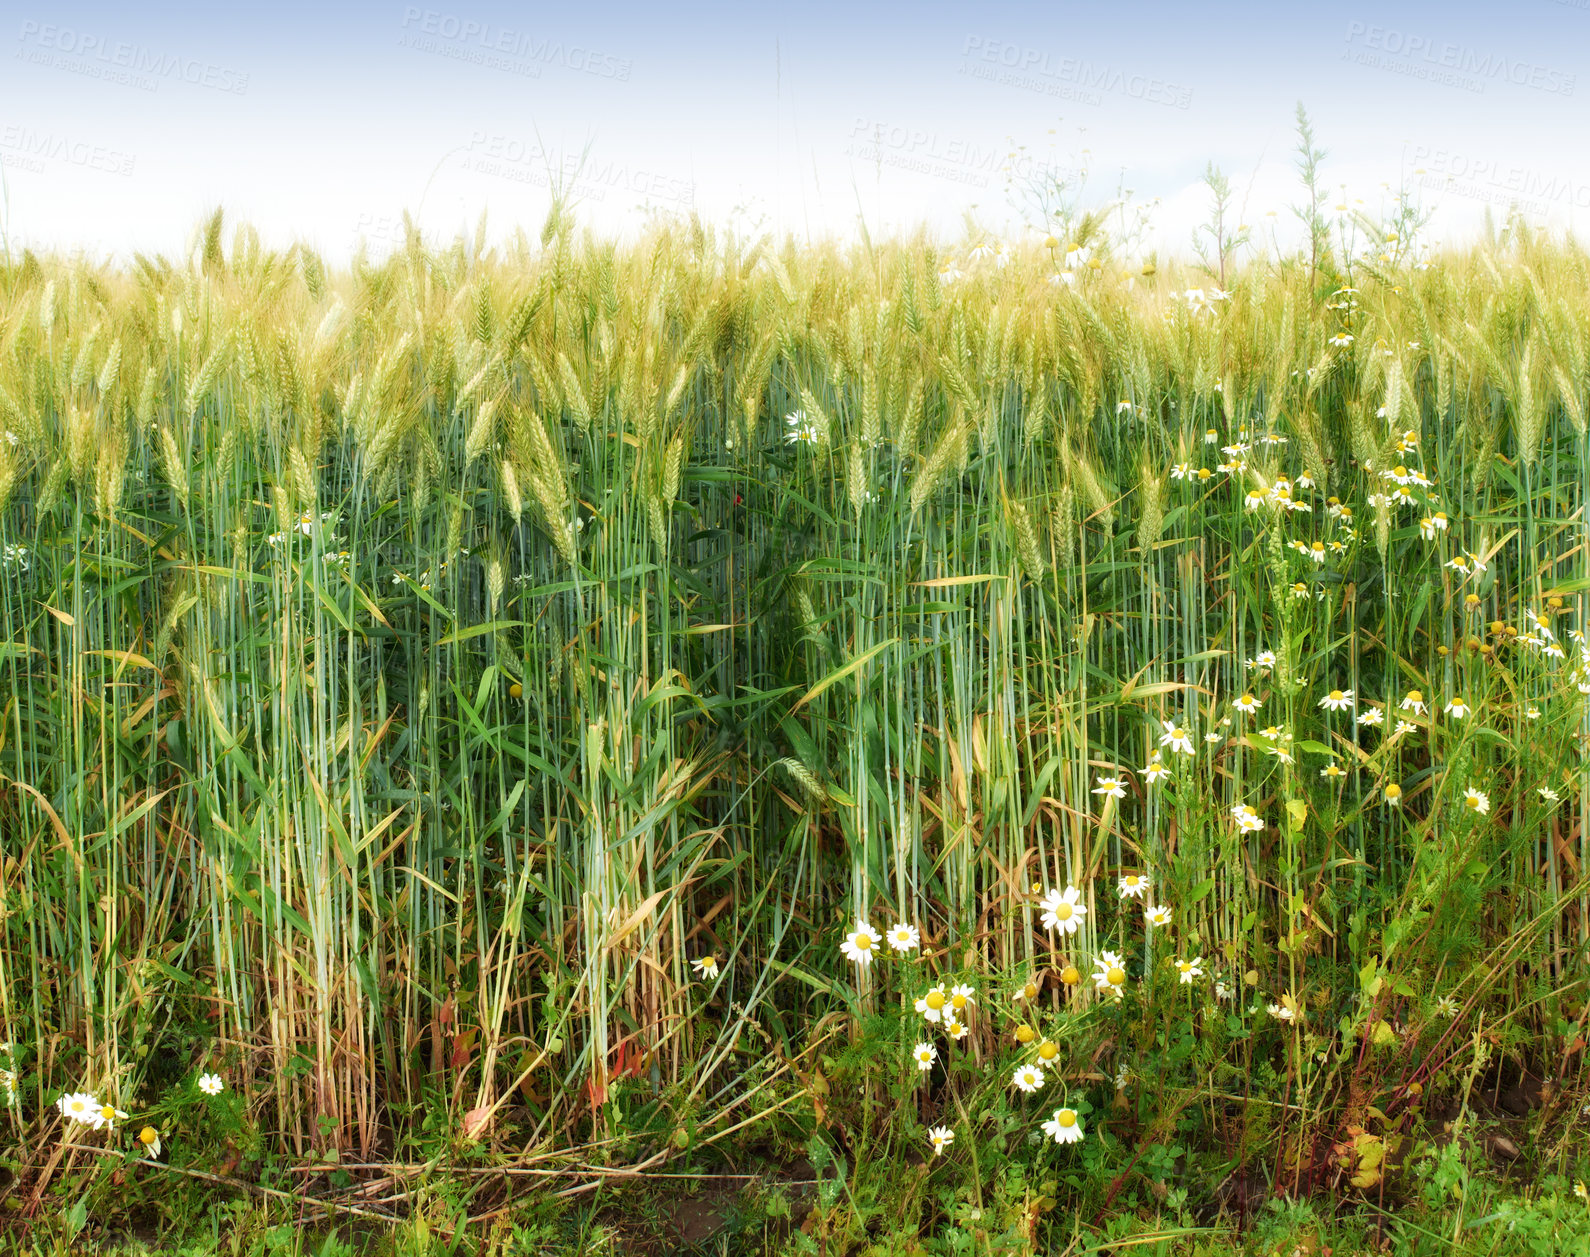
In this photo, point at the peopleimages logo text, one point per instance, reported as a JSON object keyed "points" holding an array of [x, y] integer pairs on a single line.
{"points": [[70, 45], [42, 146], [465, 30], [1460, 58], [510, 158], [1488, 177], [1078, 71]]}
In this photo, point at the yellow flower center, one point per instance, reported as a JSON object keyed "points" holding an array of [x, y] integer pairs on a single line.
{"points": [[863, 942], [935, 999], [1067, 1118], [1247, 700], [1116, 975], [958, 1001], [1025, 1034], [1047, 1050], [1399, 471], [1030, 991], [1070, 976], [1472, 801], [1336, 696], [147, 1135], [1203, 473], [1062, 912], [1394, 791]]}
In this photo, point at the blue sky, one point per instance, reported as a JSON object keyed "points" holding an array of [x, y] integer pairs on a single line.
{"points": [[119, 131]]}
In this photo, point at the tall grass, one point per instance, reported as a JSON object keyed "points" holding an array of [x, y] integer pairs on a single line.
{"points": [[409, 670]]}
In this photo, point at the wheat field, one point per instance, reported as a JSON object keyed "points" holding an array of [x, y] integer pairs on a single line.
{"points": [[468, 703]]}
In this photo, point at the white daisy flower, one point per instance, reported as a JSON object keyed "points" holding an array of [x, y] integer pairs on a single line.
{"points": [[1176, 738], [1337, 700], [924, 1054], [705, 966], [1249, 820], [1027, 1078], [1458, 709], [1476, 801], [1413, 701], [1190, 970], [1062, 911], [211, 1084], [903, 937], [801, 428], [149, 1137], [80, 1107], [1157, 916], [109, 1115], [960, 997], [932, 1004], [1065, 1127], [1264, 659], [1247, 704], [1155, 771], [1133, 886], [1114, 787], [941, 1137], [1371, 716], [1109, 973], [860, 943]]}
